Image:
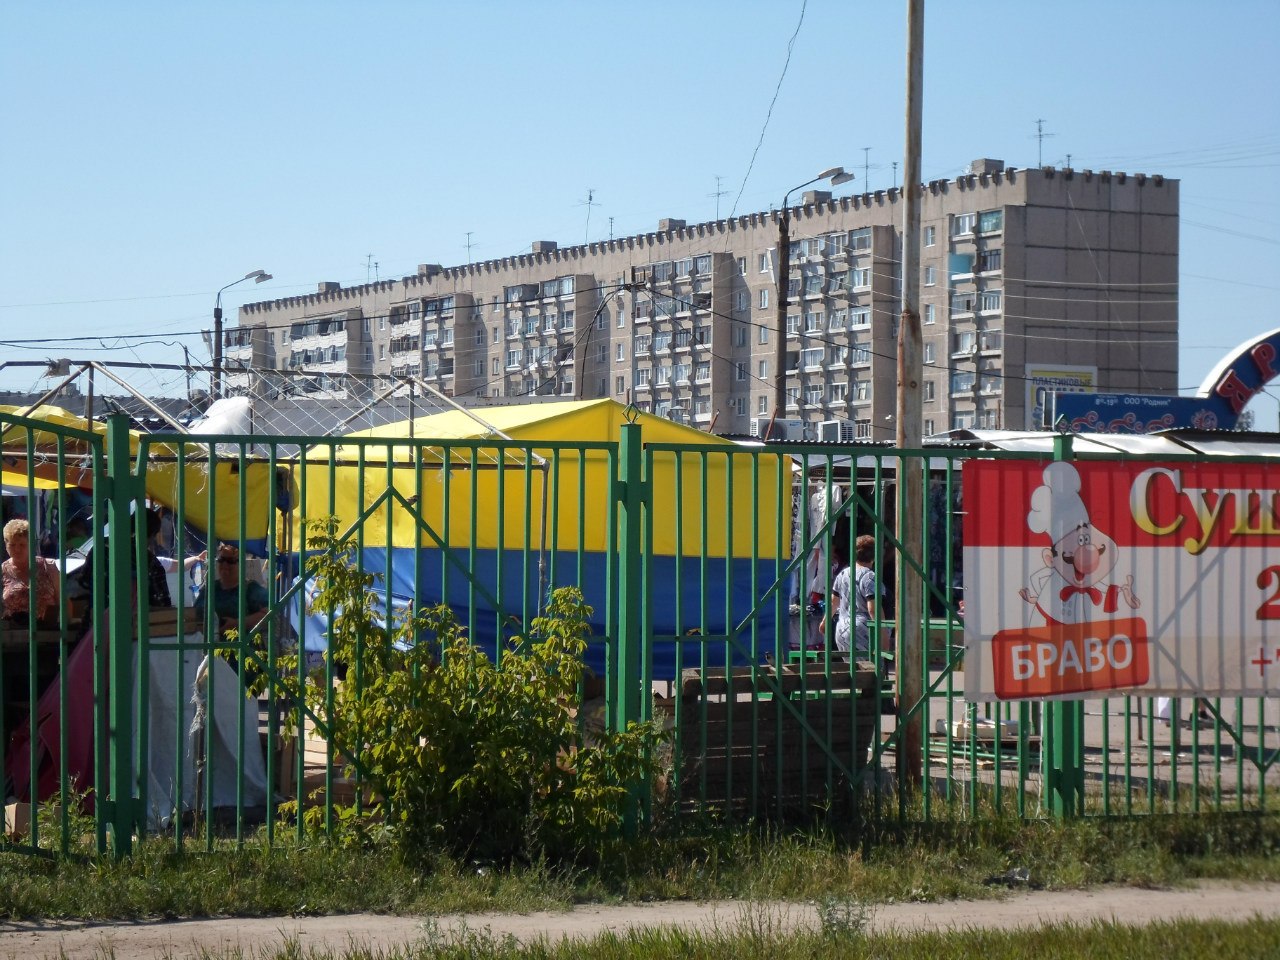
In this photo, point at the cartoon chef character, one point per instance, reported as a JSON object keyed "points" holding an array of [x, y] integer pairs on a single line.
{"points": [[1073, 586]]}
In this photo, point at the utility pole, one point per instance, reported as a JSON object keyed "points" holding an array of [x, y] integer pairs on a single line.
{"points": [[910, 519]]}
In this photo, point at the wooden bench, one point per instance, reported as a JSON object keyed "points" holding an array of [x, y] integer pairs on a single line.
{"points": [[781, 739]]}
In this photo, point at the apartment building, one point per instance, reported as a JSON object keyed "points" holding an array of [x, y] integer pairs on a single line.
{"points": [[1031, 280]]}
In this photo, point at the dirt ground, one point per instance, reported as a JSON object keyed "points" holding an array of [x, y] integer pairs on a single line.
{"points": [[258, 937]]}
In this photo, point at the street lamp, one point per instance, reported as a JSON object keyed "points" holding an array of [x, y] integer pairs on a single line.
{"points": [[837, 176], [215, 381]]}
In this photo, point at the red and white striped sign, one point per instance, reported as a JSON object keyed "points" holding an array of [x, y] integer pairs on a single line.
{"points": [[1087, 579]]}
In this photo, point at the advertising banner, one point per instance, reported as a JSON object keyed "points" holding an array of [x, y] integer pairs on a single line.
{"points": [[1094, 579], [1043, 382], [1132, 413]]}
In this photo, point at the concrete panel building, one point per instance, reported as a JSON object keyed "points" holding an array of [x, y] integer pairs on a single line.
{"points": [[1031, 280]]}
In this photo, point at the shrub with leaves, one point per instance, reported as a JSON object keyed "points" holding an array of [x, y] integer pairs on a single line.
{"points": [[463, 755]]}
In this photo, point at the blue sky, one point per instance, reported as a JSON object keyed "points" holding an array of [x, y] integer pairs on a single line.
{"points": [[156, 151]]}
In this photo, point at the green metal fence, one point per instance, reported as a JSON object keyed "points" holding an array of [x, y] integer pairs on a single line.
{"points": [[704, 564]]}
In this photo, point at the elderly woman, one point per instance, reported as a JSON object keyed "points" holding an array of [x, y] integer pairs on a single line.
{"points": [[16, 577]]}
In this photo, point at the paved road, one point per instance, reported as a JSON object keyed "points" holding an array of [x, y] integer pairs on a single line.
{"points": [[260, 937]]}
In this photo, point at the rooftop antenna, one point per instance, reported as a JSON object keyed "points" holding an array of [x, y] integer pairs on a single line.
{"points": [[895, 174], [1040, 136], [866, 166], [718, 194], [469, 246], [611, 228], [588, 203], [368, 267]]}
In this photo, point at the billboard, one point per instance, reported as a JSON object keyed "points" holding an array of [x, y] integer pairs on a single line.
{"points": [[1132, 413], [1046, 380], [1094, 579]]}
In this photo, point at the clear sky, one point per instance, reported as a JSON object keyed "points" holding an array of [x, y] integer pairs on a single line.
{"points": [[154, 152]]}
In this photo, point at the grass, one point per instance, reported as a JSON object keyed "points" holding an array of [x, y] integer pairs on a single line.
{"points": [[922, 863], [761, 937]]}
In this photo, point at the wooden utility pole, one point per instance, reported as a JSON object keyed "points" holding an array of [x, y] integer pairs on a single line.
{"points": [[910, 517]]}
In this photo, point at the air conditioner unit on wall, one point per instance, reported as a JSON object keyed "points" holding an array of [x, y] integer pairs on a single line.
{"points": [[783, 429], [837, 431]]}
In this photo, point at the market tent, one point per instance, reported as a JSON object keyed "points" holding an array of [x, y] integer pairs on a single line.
{"points": [[491, 525]]}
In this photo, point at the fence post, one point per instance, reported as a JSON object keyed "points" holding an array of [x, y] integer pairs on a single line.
{"points": [[120, 593], [1064, 777], [630, 555], [631, 499]]}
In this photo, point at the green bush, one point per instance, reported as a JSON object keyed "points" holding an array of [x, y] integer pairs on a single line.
{"points": [[460, 754]]}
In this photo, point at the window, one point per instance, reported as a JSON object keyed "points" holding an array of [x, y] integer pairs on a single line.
{"points": [[664, 376], [989, 301], [991, 339], [663, 271], [497, 366], [813, 322], [962, 303], [930, 236], [702, 371], [928, 353], [680, 372], [740, 372], [860, 239], [602, 353], [928, 428], [764, 298], [642, 376], [742, 266], [963, 341], [812, 358], [762, 369], [479, 336], [477, 368], [930, 313], [530, 326], [838, 282], [962, 381], [762, 404], [793, 324], [862, 390], [839, 318], [991, 221], [860, 355], [793, 397], [962, 421], [836, 243], [566, 319], [839, 392], [742, 300], [793, 288], [684, 268], [960, 264], [813, 283], [662, 341], [600, 324], [764, 335], [930, 276], [382, 352], [619, 384], [739, 336], [702, 265], [989, 260], [642, 345], [813, 394], [990, 385], [860, 317], [962, 224], [619, 352], [497, 332], [549, 323], [862, 429], [764, 263], [513, 358]]}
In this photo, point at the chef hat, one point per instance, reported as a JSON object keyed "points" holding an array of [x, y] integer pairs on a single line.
{"points": [[1056, 507]]}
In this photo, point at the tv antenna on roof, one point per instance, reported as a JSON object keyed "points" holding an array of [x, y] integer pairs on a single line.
{"points": [[588, 203], [1040, 136]]}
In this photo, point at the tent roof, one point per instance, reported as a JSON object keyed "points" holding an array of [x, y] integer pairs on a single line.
{"points": [[590, 420]]}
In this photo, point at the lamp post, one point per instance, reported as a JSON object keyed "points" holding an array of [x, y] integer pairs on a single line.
{"points": [[215, 380], [837, 176]]}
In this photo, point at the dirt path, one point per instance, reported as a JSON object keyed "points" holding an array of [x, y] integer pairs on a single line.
{"points": [[258, 937]]}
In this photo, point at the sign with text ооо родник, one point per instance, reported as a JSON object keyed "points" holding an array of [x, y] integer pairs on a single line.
{"points": [[1092, 579]]}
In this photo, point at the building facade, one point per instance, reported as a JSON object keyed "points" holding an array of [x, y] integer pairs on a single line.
{"points": [[1031, 280]]}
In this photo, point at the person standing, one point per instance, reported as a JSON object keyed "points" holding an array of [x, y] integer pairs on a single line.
{"points": [[855, 588], [16, 574]]}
